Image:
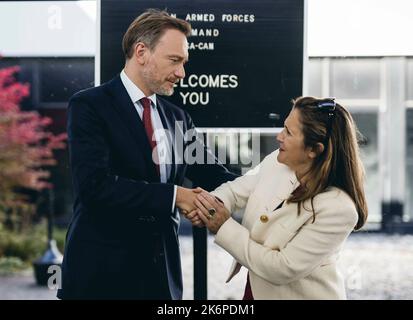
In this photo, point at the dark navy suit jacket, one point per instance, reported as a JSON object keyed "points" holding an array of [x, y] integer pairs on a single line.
{"points": [[122, 242]]}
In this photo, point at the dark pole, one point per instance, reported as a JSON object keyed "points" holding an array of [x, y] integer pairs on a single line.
{"points": [[392, 216], [200, 236], [200, 263], [52, 256], [50, 214]]}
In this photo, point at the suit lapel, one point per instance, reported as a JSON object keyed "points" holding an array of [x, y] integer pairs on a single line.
{"points": [[130, 117]]}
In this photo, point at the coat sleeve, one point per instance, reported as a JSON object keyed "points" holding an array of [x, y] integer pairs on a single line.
{"points": [[313, 243], [235, 194], [97, 187]]}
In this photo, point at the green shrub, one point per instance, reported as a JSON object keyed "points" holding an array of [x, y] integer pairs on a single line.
{"points": [[30, 245], [60, 236], [9, 265], [26, 247]]}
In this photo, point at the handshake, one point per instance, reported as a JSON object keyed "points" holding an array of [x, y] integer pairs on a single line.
{"points": [[202, 208]]}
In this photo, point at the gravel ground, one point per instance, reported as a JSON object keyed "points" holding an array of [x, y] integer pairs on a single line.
{"points": [[375, 267]]}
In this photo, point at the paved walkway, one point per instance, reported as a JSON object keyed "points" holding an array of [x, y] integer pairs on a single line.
{"points": [[375, 267]]}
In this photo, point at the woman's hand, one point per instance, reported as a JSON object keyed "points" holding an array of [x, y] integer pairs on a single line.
{"points": [[211, 211]]}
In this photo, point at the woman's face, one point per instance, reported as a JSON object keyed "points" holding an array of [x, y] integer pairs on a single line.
{"points": [[292, 151]]}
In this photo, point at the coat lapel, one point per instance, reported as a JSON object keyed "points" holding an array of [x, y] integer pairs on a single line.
{"points": [[284, 192], [128, 114]]}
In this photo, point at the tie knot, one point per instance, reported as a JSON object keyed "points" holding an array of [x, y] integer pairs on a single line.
{"points": [[146, 103]]}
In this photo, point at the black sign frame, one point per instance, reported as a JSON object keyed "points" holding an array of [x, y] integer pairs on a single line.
{"points": [[250, 76]]}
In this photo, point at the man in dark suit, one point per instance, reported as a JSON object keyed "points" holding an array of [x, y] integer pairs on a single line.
{"points": [[122, 242]]}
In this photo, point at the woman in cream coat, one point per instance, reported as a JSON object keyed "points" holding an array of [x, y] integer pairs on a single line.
{"points": [[301, 203]]}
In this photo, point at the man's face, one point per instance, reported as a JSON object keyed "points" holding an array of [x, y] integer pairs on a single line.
{"points": [[165, 64]]}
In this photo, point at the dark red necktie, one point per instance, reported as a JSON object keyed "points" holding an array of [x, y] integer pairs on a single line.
{"points": [[147, 123]]}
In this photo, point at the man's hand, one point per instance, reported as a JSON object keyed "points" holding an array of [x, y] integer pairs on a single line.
{"points": [[185, 199]]}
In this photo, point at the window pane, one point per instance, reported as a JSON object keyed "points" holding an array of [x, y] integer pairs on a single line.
{"points": [[367, 125], [355, 78], [314, 77], [409, 165], [52, 81], [409, 79], [61, 78]]}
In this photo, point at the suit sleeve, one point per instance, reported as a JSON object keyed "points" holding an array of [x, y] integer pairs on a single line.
{"points": [[204, 169], [97, 187], [313, 243]]}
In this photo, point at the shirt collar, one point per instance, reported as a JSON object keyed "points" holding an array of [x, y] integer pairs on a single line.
{"points": [[133, 90]]}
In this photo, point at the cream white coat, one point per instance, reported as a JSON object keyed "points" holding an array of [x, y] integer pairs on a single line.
{"points": [[288, 256]]}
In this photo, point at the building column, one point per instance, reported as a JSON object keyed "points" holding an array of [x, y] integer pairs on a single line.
{"points": [[392, 141]]}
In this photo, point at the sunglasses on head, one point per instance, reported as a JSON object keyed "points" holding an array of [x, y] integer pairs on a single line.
{"points": [[328, 106]]}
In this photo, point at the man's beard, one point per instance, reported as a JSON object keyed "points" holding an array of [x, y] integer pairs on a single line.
{"points": [[156, 86]]}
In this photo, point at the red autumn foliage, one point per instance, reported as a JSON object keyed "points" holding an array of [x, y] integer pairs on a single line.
{"points": [[26, 147]]}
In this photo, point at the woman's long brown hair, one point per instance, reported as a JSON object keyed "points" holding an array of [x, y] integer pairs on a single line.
{"points": [[339, 165]]}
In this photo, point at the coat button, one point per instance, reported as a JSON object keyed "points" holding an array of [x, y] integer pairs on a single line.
{"points": [[264, 218]]}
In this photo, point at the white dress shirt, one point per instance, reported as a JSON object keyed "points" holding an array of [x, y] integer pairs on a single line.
{"points": [[162, 146]]}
